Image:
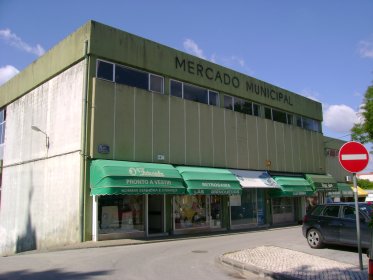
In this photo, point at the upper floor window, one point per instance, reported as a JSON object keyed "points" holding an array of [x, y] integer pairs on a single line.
{"points": [[194, 93], [308, 123], [278, 116], [129, 76], [241, 105], [105, 70]]}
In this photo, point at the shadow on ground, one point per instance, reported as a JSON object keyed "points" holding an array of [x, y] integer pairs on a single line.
{"points": [[54, 274]]}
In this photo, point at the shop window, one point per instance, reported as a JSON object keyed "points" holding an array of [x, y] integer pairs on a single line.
{"points": [[190, 211], [105, 70], [244, 208], [120, 213]]}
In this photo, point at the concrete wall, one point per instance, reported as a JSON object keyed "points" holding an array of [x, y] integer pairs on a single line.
{"points": [[333, 167], [41, 187], [138, 126]]}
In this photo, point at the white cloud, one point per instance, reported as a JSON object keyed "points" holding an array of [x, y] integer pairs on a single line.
{"points": [[13, 40], [192, 47], [366, 48], [340, 118], [233, 61], [7, 72]]}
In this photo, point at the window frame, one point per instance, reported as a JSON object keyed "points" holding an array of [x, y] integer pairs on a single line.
{"points": [[105, 61]]}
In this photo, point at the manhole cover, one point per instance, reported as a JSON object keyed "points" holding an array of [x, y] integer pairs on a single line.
{"points": [[199, 251]]}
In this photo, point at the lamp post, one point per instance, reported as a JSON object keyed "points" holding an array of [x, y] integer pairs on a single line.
{"points": [[34, 127]]}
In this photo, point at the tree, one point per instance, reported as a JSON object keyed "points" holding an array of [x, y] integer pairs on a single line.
{"points": [[363, 132], [365, 184]]}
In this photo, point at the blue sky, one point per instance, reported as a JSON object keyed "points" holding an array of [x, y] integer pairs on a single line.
{"points": [[320, 49]]}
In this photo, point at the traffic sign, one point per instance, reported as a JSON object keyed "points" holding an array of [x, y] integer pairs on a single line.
{"points": [[353, 157]]}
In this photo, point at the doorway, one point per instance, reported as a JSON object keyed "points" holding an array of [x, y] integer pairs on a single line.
{"points": [[156, 214]]}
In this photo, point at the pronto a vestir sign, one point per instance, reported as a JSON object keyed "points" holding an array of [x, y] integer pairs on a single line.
{"points": [[353, 157]]}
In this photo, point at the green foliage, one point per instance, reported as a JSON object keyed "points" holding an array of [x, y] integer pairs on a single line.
{"points": [[363, 132], [365, 184]]}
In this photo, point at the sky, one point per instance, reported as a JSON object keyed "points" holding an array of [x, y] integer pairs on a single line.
{"points": [[320, 49]]}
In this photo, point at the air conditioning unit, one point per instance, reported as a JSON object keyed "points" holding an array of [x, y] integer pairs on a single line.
{"points": [[348, 179]]}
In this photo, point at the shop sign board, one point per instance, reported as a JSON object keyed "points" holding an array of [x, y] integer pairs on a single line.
{"points": [[353, 157]]}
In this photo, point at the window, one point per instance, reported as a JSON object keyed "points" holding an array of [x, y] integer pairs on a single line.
{"points": [[228, 102], [156, 83], [289, 118], [308, 123], [349, 213], [279, 116], [190, 211], [213, 98], [131, 77], [331, 211], [268, 113], [194, 93], [105, 70], [241, 105], [299, 121], [176, 89]]}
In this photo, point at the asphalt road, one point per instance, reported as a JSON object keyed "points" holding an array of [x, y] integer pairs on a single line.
{"points": [[189, 259]]}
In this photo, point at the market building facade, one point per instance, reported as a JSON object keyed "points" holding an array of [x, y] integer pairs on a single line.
{"points": [[109, 135]]}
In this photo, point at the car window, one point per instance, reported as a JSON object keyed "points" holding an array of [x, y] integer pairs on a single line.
{"points": [[331, 211], [367, 209], [316, 211], [349, 213]]}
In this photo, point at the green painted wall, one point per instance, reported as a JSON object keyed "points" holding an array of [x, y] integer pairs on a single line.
{"points": [[135, 51], [139, 126]]}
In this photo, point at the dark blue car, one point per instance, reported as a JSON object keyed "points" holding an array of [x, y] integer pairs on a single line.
{"points": [[335, 223]]}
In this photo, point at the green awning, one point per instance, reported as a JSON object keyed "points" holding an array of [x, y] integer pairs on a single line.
{"points": [[323, 182], [214, 181], [291, 186], [108, 177]]}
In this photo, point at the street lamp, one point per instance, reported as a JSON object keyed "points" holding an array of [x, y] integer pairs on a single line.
{"points": [[34, 127]]}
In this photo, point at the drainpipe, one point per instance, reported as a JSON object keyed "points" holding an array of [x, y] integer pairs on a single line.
{"points": [[83, 154]]}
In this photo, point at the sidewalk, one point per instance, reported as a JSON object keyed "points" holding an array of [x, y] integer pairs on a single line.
{"points": [[280, 263]]}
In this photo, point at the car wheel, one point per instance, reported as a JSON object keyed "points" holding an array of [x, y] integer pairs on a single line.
{"points": [[314, 238]]}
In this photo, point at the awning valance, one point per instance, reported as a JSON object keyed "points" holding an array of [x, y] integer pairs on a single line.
{"points": [[324, 182], [254, 179], [345, 190], [291, 186], [108, 177], [213, 181]]}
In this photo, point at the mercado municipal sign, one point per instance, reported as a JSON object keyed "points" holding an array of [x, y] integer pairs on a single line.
{"points": [[223, 78]]}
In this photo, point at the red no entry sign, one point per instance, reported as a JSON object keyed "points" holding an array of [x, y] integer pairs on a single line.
{"points": [[354, 157]]}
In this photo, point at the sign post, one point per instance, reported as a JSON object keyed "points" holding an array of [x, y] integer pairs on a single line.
{"points": [[354, 157]]}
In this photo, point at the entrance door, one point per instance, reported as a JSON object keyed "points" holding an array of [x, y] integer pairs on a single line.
{"points": [[155, 214]]}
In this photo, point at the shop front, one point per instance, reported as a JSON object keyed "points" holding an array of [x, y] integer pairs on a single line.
{"points": [[345, 193], [129, 198], [249, 209], [324, 186], [288, 204], [205, 206]]}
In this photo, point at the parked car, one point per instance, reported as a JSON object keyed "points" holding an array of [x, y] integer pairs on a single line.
{"points": [[335, 223]]}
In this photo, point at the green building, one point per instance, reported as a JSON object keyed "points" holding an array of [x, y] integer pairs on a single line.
{"points": [[109, 135]]}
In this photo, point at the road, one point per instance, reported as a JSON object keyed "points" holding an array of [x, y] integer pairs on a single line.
{"points": [[189, 259]]}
